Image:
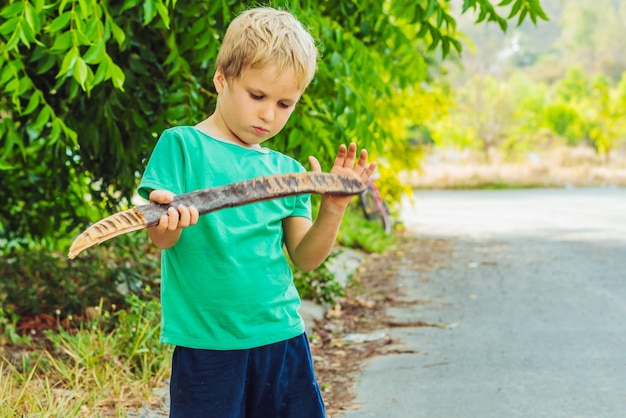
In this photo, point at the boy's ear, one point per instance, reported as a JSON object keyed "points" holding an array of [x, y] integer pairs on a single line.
{"points": [[219, 80]]}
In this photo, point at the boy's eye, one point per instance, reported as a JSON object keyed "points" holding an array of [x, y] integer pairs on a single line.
{"points": [[256, 96], [284, 105]]}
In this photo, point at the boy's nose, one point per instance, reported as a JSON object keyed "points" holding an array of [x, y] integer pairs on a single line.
{"points": [[267, 113]]}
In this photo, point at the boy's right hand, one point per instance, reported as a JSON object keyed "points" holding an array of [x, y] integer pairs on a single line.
{"points": [[176, 218]]}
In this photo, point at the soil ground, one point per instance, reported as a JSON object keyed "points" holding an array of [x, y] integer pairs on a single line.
{"points": [[337, 356]]}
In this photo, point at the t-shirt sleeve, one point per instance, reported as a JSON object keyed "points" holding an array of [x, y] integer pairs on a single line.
{"points": [[164, 170], [303, 206]]}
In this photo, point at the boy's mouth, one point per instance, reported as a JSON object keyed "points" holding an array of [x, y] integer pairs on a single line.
{"points": [[260, 131]]}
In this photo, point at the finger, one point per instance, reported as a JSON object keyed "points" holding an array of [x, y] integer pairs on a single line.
{"points": [[315, 164], [340, 159], [194, 215], [172, 219], [183, 216], [163, 223], [362, 163], [161, 196], [368, 172], [351, 156]]}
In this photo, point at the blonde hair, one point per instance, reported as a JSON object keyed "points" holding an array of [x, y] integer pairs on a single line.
{"points": [[266, 36]]}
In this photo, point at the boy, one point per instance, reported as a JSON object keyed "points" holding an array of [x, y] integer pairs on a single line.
{"points": [[229, 302]]}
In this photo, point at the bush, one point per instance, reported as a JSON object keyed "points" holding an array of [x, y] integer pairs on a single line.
{"points": [[359, 233], [36, 281], [320, 285]]}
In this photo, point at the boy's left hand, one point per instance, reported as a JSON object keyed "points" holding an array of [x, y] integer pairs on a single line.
{"points": [[345, 164]]}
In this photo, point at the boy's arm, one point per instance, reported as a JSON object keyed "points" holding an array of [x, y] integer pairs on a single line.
{"points": [[309, 243], [167, 233]]}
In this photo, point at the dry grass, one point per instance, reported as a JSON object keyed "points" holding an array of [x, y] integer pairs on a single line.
{"points": [[563, 167], [87, 371]]}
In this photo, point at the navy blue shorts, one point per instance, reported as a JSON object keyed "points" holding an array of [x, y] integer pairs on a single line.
{"points": [[273, 381]]}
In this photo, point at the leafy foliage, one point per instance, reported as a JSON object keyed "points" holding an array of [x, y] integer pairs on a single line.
{"points": [[88, 86], [365, 235], [356, 232], [562, 82], [40, 282], [516, 116], [319, 285]]}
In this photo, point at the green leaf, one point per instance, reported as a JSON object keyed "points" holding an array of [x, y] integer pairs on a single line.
{"points": [[33, 102], [335, 60], [82, 38], [60, 22], [55, 131], [445, 46], [8, 72], [46, 64], [537, 10], [93, 30], [467, 4], [294, 138], [12, 10], [24, 32], [139, 121], [176, 97], [80, 72], [84, 8], [42, 119], [435, 41], [118, 34], [12, 43], [62, 5], [423, 30], [95, 53], [101, 72], [62, 43], [431, 9], [31, 18], [5, 166], [515, 8], [117, 76], [149, 11], [504, 25], [163, 13], [129, 4], [457, 45], [522, 16], [13, 86], [9, 26], [176, 113], [68, 62]]}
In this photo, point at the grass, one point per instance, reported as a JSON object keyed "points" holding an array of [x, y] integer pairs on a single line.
{"points": [[563, 167], [99, 368]]}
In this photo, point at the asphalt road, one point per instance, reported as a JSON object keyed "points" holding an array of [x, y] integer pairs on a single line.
{"points": [[532, 303]]}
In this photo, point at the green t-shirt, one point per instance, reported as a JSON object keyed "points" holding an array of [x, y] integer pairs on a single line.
{"points": [[226, 284]]}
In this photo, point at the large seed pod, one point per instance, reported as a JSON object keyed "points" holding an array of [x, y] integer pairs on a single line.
{"points": [[210, 200]]}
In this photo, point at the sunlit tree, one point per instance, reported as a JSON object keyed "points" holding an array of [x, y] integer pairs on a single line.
{"points": [[87, 86]]}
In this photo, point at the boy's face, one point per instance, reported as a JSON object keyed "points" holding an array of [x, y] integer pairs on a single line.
{"points": [[255, 106]]}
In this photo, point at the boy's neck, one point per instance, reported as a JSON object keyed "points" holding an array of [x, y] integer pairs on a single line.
{"points": [[209, 127]]}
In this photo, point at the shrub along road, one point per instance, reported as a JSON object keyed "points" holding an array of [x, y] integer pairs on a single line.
{"points": [[529, 293]]}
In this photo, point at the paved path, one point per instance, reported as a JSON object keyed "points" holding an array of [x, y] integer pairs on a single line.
{"points": [[533, 297]]}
